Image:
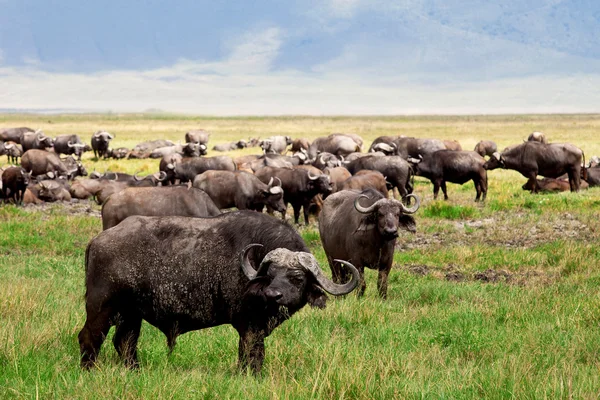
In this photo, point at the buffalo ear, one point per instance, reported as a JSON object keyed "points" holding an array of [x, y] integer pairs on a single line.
{"points": [[316, 297], [407, 222], [255, 291]]}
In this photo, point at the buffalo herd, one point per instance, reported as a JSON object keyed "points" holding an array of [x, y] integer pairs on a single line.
{"points": [[170, 255]]}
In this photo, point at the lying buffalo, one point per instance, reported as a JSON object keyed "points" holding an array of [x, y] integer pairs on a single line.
{"points": [[240, 189], [53, 190], [549, 160], [240, 144], [157, 201], [183, 274], [363, 227], [199, 136], [553, 185], [455, 167], [337, 144], [276, 144]]}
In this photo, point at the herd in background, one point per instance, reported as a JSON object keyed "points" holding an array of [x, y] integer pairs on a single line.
{"points": [[262, 267]]}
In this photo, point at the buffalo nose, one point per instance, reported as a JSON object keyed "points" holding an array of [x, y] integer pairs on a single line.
{"points": [[391, 232], [273, 294]]}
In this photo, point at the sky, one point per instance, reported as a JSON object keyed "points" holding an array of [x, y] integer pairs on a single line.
{"points": [[309, 57]]}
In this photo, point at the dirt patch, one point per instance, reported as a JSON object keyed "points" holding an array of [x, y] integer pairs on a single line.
{"points": [[453, 273], [74, 207]]}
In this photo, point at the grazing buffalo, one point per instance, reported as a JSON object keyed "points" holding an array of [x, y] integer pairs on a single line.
{"points": [[69, 144], [385, 144], [276, 144], [553, 185], [366, 179], [337, 176], [14, 183], [36, 140], [188, 168], [13, 151], [13, 134], [362, 227], [338, 144], [199, 136], [549, 160], [273, 160], [167, 165], [240, 144], [537, 137], [300, 185], [40, 162], [157, 202], [240, 189], [145, 149], [455, 167], [183, 274], [100, 142], [486, 148], [396, 170], [593, 176]]}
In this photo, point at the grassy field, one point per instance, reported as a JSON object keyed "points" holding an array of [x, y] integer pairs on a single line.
{"points": [[492, 300]]}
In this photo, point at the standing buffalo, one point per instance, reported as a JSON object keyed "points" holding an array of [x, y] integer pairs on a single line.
{"points": [[69, 144], [13, 134], [365, 234], [13, 151], [397, 171], [240, 189], [385, 144], [300, 185], [299, 145], [366, 179], [326, 160], [276, 144], [338, 144], [157, 201], [337, 176], [415, 147], [40, 162], [537, 137], [549, 160], [199, 136], [100, 142], [14, 182], [453, 166], [183, 274], [35, 140], [188, 168], [486, 148]]}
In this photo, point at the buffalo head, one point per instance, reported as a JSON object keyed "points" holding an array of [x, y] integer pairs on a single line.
{"points": [[291, 279], [387, 216], [273, 196], [321, 183], [495, 161]]}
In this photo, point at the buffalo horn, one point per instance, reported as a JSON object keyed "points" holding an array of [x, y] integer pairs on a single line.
{"points": [[278, 180], [249, 271], [162, 175], [414, 208], [312, 178], [136, 177], [9, 146], [309, 262], [496, 155], [97, 134], [367, 210], [110, 136], [270, 183]]}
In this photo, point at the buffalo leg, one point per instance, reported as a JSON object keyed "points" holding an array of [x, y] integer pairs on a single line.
{"points": [[296, 212], [532, 183], [126, 338], [478, 189], [443, 184], [93, 334], [251, 351], [436, 189], [382, 282], [305, 210], [362, 285]]}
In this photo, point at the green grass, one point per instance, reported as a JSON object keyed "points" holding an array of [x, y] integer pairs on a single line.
{"points": [[487, 300]]}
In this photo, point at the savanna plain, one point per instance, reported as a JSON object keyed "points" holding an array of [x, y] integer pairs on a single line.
{"points": [[499, 299]]}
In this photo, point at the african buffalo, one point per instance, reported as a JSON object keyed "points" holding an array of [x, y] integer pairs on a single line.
{"points": [[100, 142], [14, 183], [182, 274], [299, 185], [13, 151], [366, 179], [240, 189], [593, 176], [40, 162], [455, 167], [362, 227], [13, 134], [452, 145], [53, 190], [69, 144], [118, 153], [553, 185], [549, 160], [240, 144], [326, 160], [486, 148], [199, 136], [396, 170], [337, 176], [537, 137], [157, 202], [385, 144], [337, 144], [276, 144], [299, 145], [35, 140], [415, 147], [188, 168]]}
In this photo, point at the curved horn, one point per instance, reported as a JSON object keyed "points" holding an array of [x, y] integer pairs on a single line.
{"points": [[278, 180], [270, 182], [394, 145], [414, 208], [496, 155], [116, 177], [110, 136], [97, 134], [321, 158], [366, 210], [313, 178], [136, 177], [249, 271], [162, 175], [9, 146], [70, 144], [309, 262]]}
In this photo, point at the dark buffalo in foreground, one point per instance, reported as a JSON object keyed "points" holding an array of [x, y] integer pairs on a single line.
{"points": [[362, 227], [548, 160], [14, 183], [537, 137], [158, 202], [13, 134], [240, 189], [366, 179], [226, 271], [69, 144], [300, 185], [455, 167], [36, 140], [486, 148], [100, 143], [397, 171], [188, 168]]}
